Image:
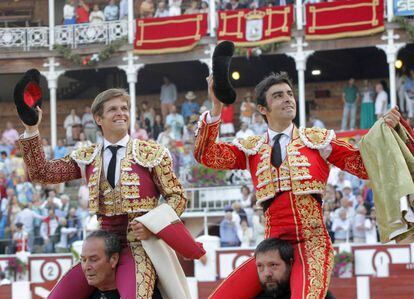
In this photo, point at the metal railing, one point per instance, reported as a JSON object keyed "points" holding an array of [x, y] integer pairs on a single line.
{"points": [[70, 35], [214, 199]]}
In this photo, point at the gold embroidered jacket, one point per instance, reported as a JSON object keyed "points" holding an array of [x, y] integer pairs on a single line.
{"points": [[304, 170], [146, 171]]}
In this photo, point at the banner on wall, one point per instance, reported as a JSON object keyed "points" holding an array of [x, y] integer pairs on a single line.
{"points": [[169, 34], [344, 19], [249, 28]]}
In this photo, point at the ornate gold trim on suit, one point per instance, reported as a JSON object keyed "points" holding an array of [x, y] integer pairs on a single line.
{"points": [[249, 145], [264, 188], [169, 186], [86, 154], [316, 138], [148, 154], [311, 228]]}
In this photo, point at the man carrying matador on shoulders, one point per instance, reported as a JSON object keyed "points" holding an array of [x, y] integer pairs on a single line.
{"points": [[289, 168]]}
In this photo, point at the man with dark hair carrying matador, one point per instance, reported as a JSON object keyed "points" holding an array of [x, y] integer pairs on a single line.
{"points": [[289, 168]]}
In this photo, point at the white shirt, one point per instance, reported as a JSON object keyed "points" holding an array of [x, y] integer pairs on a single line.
{"points": [[381, 102], [68, 11], [120, 154], [284, 140]]}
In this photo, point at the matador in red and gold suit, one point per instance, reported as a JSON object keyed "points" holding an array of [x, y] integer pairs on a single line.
{"points": [[145, 174], [290, 196]]}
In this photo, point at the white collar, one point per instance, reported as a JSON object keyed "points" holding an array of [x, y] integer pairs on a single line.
{"points": [[123, 142], [288, 132]]}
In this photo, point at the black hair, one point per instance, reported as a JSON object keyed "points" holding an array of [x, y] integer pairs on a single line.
{"points": [[112, 243], [284, 248], [266, 83]]}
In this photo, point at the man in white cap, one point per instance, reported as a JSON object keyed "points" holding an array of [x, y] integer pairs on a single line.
{"points": [[189, 107]]}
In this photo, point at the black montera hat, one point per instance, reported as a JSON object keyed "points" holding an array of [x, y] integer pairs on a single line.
{"points": [[27, 96], [222, 87]]}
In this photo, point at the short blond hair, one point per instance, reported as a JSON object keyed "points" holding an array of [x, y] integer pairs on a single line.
{"points": [[107, 95]]}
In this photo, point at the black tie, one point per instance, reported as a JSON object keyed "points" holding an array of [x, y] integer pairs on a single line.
{"points": [[112, 164], [277, 151]]}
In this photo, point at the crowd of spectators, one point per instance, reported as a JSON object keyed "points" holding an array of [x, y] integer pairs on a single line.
{"points": [[372, 100], [77, 12]]}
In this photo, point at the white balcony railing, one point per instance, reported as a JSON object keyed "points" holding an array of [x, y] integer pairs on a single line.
{"points": [[70, 35]]}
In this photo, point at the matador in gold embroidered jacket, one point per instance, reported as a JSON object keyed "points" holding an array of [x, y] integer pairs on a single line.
{"points": [[145, 174], [291, 197]]}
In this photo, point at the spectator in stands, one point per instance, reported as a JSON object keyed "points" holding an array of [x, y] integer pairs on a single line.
{"points": [[69, 15], [358, 225], [24, 190], [10, 135], [63, 245], [342, 181], [82, 142], [158, 127], [282, 2], [381, 100], [147, 117], [123, 9], [176, 157], [20, 238], [228, 231], [165, 137], [204, 9], [72, 121], [328, 223], [147, 9], [47, 149], [190, 106], [239, 214], [246, 235], [341, 227], [4, 147], [258, 223], [244, 131], [350, 98], [139, 133], [111, 11], [82, 12], [188, 160], [162, 10], [88, 125], [176, 122], [5, 163], [207, 104], [367, 118], [52, 200], [193, 9], [348, 193], [174, 7], [63, 211], [408, 89], [246, 197], [371, 229], [3, 184], [316, 122], [188, 130], [233, 5], [227, 121], [27, 217], [60, 150], [247, 109], [48, 231], [259, 126], [96, 16], [168, 96]]}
